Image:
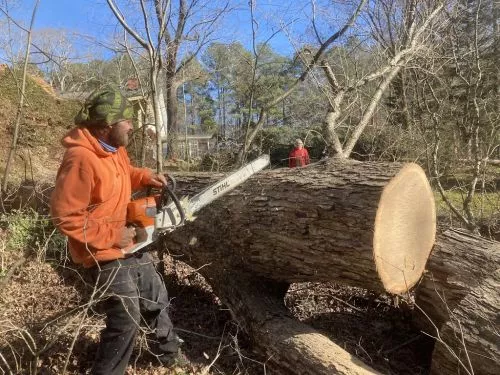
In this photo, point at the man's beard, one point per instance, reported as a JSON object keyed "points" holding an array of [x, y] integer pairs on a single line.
{"points": [[116, 139]]}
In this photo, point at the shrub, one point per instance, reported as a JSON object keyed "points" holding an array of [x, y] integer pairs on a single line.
{"points": [[28, 230]]}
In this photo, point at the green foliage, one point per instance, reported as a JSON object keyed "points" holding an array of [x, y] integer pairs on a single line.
{"points": [[30, 230], [243, 82], [206, 114], [484, 205], [270, 137], [208, 124], [485, 208], [278, 141], [21, 227], [201, 107]]}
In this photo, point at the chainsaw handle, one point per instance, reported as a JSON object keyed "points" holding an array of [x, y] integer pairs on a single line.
{"points": [[173, 180], [149, 188], [169, 193], [140, 234]]}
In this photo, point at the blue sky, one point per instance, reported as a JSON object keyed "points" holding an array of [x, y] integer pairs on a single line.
{"points": [[94, 18], [69, 14]]}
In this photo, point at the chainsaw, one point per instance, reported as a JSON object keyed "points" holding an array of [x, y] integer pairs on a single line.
{"points": [[157, 214]]}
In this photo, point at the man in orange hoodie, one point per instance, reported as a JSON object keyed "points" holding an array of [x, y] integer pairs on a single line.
{"points": [[89, 205]]}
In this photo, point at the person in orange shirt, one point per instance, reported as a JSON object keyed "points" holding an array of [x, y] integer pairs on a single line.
{"points": [[89, 205], [299, 156]]}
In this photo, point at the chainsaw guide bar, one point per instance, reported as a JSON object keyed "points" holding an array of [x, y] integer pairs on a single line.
{"points": [[168, 218]]}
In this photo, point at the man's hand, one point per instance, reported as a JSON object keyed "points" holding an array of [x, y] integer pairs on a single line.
{"points": [[158, 180], [127, 235]]}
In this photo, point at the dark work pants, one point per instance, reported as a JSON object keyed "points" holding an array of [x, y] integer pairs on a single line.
{"points": [[133, 292]]}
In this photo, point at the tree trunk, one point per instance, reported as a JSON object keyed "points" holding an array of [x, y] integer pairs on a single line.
{"points": [[460, 295], [400, 101], [365, 224], [291, 347], [222, 110], [172, 109], [20, 108], [334, 147], [370, 225], [163, 112]]}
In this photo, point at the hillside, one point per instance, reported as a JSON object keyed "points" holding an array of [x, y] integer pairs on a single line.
{"points": [[46, 118]]}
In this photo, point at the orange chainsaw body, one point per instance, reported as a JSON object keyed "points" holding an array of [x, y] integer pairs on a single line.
{"points": [[141, 212]]}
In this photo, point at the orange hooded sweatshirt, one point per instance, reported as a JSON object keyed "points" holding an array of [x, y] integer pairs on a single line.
{"points": [[89, 202]]}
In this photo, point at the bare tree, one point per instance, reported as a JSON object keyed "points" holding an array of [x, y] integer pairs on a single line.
{"points": [[151, 42], [12, 33], [191, 21], [404, 47], [54, 50], [310, 63], [166, 27], [457, 111]]}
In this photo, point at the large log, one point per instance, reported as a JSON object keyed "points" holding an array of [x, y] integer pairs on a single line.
{"points": [[370, 225], [365, 224], [458, 302]]}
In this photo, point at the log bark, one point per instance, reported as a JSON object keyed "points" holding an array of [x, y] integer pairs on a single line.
{"points": [[458, 302], [370, 225], [290, 346]]}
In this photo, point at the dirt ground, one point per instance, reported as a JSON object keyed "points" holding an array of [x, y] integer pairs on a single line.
{"points": [[45, 119], [42, 309]]}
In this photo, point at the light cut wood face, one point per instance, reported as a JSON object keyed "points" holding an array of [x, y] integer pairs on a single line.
{"points": [[405, 229]]}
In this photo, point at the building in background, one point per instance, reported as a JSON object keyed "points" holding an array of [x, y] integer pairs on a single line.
{"points": [[195, 146]]}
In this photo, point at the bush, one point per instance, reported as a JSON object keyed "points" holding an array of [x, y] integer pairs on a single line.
{"points": [[279, 141], [28, 230]]}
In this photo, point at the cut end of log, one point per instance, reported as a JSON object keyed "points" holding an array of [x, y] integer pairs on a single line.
{"points": [[405, 229]]}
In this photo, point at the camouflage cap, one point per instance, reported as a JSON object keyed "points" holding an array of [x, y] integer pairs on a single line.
{"points": [[105, 106]]}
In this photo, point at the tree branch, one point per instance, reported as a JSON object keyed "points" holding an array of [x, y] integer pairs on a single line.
{"points": [[125, 25]]}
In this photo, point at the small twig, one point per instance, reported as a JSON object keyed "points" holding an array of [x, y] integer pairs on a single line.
{"points": [[407, 342], [206, 369], [197, 334], [6, 363], [12, 270], [363, 349]]}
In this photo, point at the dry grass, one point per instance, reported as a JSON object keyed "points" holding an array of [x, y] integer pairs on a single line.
{"points": [[47, 326]]}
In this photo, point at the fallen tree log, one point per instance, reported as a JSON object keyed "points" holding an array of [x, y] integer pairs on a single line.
{"points": [[364, 224], [291, 347], [458, 302], [370, 225]]}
